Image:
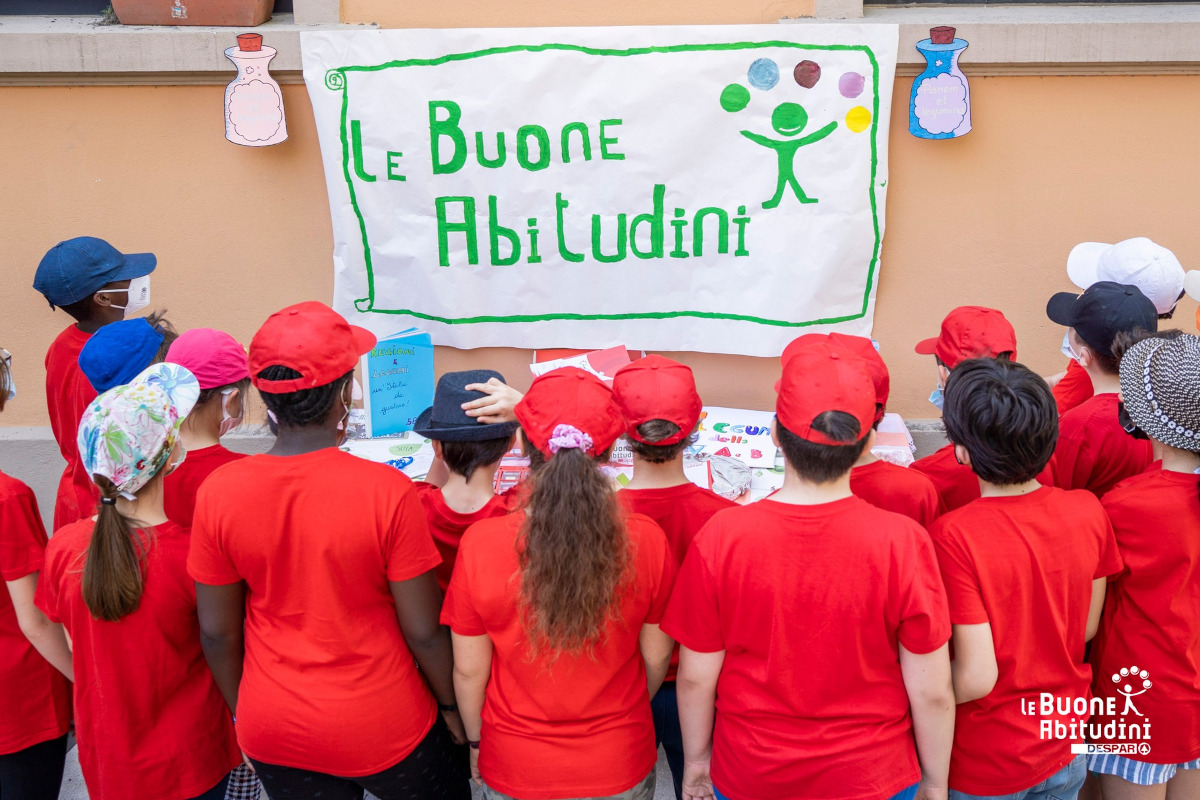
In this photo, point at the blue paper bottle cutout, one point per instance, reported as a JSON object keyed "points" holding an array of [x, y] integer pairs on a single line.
{"points": [[940, 105]]}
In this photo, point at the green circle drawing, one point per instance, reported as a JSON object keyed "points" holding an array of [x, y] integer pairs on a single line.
{"points": [[735, 97], [788, 119], [404, 449]]}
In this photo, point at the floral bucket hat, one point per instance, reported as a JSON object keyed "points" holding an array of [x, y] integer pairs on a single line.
{"points": [[127, 433]]}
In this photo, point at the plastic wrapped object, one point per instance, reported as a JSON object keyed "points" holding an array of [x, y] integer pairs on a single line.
{"points": [[730, 477]]}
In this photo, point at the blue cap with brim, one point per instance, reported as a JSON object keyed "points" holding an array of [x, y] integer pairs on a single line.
{"points": [[74, 269], [116, 353]]}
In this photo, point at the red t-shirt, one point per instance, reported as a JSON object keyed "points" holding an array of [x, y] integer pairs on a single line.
{"points": [[1094, 452], [67, 395], [575, 726], [181, 486], [895, 488], [36, 698], [1074, 388], [1150, 613], [1025, 565], [329, 683], [681, 512], [956, 483], [148, 715], [811, 605], [447, 526]]}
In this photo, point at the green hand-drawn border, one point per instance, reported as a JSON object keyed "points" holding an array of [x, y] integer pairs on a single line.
{"points": [[335, 80]]}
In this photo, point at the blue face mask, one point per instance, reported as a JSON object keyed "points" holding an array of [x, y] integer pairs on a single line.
{"points": [[937, 398]]}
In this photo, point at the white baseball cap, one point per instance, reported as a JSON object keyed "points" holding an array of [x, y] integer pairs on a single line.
{"points": [[1134, 262], [1191, 282]]}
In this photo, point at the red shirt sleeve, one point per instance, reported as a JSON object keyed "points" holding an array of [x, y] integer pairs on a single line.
{"points": [[920, 608], [958, 575], [45, 597], [207, 561], [693, 616], [458, 609], [410, 548], [22, 536], [1074, 388], [1111, 564]]}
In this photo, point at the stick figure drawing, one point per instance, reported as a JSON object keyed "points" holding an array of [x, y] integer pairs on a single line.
{"points": [[789, 119]]}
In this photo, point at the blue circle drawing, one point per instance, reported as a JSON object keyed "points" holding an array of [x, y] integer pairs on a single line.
{"points": [[763, 74], [400, 463]]}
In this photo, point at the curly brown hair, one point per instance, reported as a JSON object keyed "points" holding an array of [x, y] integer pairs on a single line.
{"points": [[573, 554]]}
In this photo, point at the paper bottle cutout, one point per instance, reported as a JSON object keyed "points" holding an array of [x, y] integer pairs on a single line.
{"points": [[253, 103], [940, 105]]}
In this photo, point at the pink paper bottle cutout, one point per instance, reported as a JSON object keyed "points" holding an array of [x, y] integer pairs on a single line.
{"points": [[253, 103]]}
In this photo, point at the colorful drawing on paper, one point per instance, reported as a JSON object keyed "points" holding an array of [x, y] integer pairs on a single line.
{"points": [[745, 168], [253, 103], [940, 104]]}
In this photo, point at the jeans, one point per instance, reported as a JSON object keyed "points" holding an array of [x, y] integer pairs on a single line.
{"points": [[1062, 785], [644, 790], [903, 794], [436, 770], [34, 773], [665, 708]]}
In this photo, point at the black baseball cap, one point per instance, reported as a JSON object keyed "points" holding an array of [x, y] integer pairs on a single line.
{"points": [[1102, 311], [445, 420]]}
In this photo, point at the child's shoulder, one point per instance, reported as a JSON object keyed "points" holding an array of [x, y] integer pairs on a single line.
{"points": [[1133, 489]]}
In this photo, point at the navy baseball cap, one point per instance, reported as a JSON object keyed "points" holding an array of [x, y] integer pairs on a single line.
{"points": [[74, 269], [118, 352], [1102, 311]]}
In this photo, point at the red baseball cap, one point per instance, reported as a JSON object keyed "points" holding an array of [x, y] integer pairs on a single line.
{"points": [[214, 357], [971, 332], [860, 346], [570, 396], [655, 387], [820, 376], [310, 338]]}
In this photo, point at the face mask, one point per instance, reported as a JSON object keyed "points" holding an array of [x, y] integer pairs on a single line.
{"points": [[1067, 350], [343, 434], [137, 296], [228, 422], [937, 398], [8, 387], [174, 465]]}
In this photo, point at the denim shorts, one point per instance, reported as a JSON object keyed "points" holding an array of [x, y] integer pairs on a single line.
{"points": [[1062, 785], [1141, 773]]}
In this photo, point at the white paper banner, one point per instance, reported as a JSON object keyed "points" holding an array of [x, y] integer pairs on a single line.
{"points": [[717, 188]]}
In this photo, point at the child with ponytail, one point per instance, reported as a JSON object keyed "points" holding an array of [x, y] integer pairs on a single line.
{"points": [[35, 696], [554, 612], [1150, 615], [149, 718]]}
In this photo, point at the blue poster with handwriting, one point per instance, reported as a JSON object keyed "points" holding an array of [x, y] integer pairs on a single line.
{"points": [[398, 378]]}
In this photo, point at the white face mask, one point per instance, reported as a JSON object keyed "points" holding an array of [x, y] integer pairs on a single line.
{"points": [[9, 387], [1067, 350], [137, 296], [229, 422]]}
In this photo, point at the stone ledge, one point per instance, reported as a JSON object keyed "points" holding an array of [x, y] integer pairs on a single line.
{"points": [[1005, 40]]}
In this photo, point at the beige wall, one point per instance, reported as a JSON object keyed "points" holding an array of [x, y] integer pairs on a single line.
{"points": [[241, 232], [549, 13]]}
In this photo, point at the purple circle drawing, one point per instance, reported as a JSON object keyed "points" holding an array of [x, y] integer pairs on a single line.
{"points": [[763, 74], [851, 84]]}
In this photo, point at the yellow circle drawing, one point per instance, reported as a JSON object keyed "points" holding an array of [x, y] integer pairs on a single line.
{"points": [[857, 119]]}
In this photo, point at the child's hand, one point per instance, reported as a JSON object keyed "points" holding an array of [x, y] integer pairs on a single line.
{"points": [[697, 784], [475, 767], [927, 792], [497, 406]]}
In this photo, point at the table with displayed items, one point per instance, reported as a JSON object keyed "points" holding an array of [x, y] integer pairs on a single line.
{"points": [[731, 453]]}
